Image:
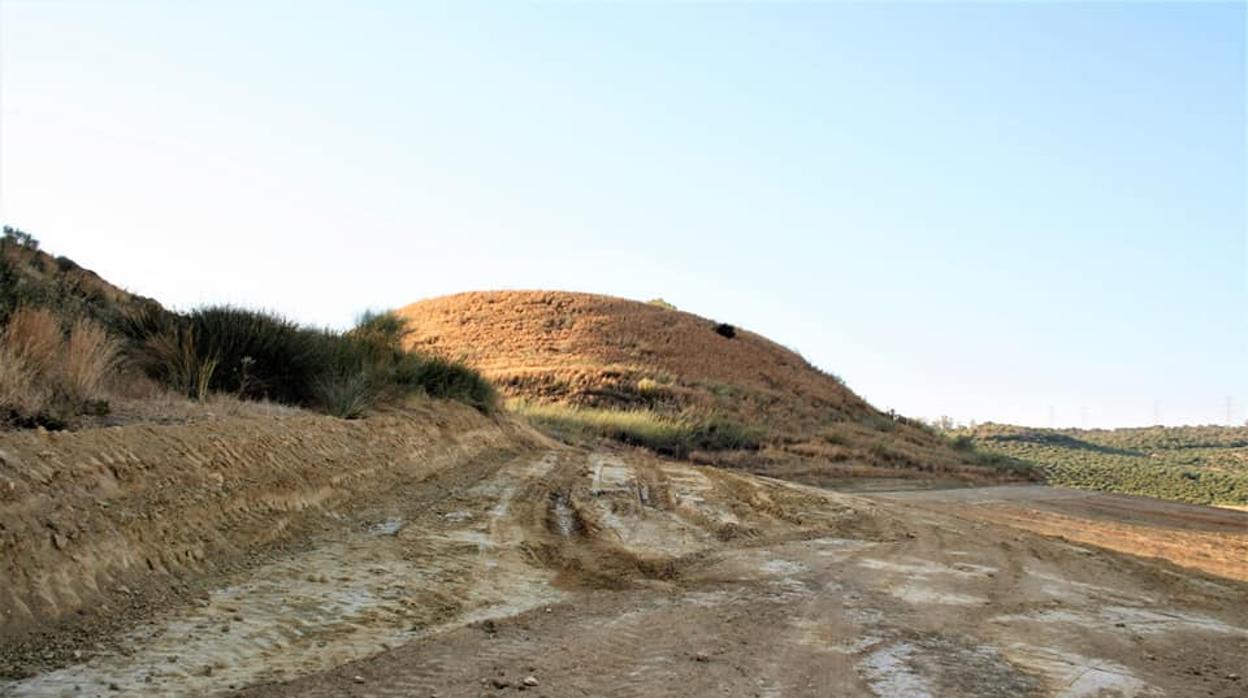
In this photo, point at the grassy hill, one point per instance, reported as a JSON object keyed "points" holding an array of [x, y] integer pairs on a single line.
{"points": [[646, 373], [1202, 465]]}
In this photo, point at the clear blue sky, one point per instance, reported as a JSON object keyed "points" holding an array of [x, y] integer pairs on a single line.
{"points": [[996, 211]]}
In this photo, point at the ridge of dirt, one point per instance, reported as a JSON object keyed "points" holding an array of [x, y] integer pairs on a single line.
{"points": [[99, 525]]}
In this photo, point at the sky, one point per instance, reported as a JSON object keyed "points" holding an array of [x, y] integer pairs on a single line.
{"points": [[1016, 212]]}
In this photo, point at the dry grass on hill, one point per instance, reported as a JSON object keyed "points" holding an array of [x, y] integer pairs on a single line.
{"points": [[591, 352]]}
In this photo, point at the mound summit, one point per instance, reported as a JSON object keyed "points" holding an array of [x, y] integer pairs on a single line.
{"points": [[595, 351]]}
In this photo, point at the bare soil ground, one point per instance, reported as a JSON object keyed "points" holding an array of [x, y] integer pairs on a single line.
{"points": [[571, 572], [1211, 539]]}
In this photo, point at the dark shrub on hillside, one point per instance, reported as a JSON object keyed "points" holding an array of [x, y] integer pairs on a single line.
{"points": [[261, 355], [718, 434], [445, 379], [257, 355], [723, 329]]}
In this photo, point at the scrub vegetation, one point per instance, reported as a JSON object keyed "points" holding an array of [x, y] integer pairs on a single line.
{"points": [[1201, 465], [70, 342]]}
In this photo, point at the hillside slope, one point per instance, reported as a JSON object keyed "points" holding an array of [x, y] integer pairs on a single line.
{"points": [[30, 276], [597, 351]]}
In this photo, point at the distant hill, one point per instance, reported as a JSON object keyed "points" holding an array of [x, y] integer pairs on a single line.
{"points": [[1200, 464], [599, 352]]}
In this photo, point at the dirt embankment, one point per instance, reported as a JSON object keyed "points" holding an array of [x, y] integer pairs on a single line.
{"points": [[96, 522]]}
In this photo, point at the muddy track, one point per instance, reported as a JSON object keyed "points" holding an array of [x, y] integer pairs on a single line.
{"points": [[942, 612], [615, 573]]}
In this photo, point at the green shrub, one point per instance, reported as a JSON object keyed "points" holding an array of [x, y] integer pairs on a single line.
{"points": [[445, 379], [260, 355], [963, 442], [257, 355]]}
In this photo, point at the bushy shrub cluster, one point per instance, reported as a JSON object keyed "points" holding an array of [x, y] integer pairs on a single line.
{"points": [[258, 355]]}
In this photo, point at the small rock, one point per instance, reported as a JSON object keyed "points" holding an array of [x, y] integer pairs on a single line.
{"points": [[114, 686], [358, 679], [499, 683], [1233, 677], [701, 657], [530, 681]]}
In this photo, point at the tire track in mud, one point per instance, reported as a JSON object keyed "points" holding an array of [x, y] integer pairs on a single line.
{"points": [[635, 644], [369, 587], [608, 574]]}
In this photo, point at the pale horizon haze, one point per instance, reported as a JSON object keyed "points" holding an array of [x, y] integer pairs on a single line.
{"points": [[1030, 213]]}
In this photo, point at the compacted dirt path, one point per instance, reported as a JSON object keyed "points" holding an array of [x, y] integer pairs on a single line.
{"points": [[561, 572]]}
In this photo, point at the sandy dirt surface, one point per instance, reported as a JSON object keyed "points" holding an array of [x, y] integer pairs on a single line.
{"points": [[1212, 539], [563, 572]]}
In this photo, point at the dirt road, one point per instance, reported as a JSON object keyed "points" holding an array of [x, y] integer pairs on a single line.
{"points": [[569, 573]]}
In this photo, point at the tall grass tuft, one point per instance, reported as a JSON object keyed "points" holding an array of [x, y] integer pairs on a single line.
{"points": [[20, 392], [48, 376], [172, 357], [89, 355], [34, 335]]}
